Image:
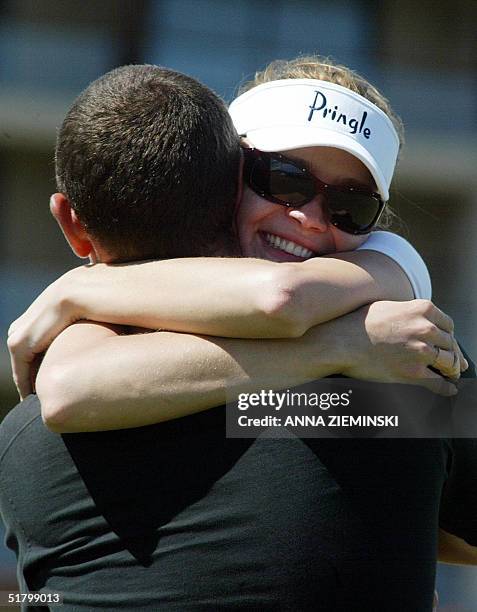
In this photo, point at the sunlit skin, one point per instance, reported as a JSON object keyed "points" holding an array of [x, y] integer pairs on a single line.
{"points": [[306, 226]]}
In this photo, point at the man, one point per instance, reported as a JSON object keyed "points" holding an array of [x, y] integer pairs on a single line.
{"points": [[175, 516]]}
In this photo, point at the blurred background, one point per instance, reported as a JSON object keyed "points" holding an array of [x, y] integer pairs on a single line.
{"points": [[422, 55]]}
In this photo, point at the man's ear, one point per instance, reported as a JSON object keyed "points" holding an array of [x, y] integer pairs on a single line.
{"points": [[72, 228]]}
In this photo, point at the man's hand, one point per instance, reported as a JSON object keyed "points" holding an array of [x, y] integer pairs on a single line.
{"points": [[31, 334], [401, 342]]}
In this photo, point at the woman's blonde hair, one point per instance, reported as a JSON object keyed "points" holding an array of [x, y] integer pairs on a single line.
{"points": [[324, 69]]}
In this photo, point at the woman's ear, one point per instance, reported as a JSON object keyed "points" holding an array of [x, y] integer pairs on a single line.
{"points": [[72, 228]]}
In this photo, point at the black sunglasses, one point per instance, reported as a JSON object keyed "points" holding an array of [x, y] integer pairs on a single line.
{"points": [[284, 181]]}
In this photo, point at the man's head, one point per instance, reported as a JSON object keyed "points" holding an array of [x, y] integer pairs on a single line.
{"points": [[148, 160]]}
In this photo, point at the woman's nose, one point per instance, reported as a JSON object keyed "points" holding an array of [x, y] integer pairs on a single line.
{"points": [[312, 215]]}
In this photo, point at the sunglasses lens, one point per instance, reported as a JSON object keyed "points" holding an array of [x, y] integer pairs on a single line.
{"points": [[282, 180], [353, 212]]}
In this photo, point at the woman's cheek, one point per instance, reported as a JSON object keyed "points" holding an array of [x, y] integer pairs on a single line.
{"points": [[347, 242]]}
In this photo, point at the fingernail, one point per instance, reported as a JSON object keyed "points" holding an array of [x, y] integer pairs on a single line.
{"points": [[466, 365]]}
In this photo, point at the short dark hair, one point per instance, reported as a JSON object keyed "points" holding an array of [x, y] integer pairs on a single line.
{"points": [[149, 159]]}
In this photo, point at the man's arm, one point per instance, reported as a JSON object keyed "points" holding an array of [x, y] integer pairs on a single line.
{"points": [[455, 550], [93, 379]]}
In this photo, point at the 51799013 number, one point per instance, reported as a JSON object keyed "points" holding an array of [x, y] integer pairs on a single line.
{"points": [[15, 598]]}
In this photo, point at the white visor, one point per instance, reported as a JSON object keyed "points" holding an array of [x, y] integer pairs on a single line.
{"points": [[295, 113]]}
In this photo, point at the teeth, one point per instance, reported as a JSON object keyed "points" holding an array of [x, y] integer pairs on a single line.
{"points": [[288, 246]]}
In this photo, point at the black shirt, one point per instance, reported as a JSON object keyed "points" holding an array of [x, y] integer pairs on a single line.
{"points": [[177, 517]]}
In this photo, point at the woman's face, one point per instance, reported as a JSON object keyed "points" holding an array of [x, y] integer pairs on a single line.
{"points": [[275, 232]]}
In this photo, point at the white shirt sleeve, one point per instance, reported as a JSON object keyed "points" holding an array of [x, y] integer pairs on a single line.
{"points": [[406, 256]]}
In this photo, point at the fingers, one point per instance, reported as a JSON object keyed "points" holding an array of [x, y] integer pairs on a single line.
{"points": [[437, 337], [464, 364], [24, 388], [453, 359], [33, 371], [31, 333], [21, 378], [20, 322], [13, 327], [436, 315], [447, 362], [437, 384], [450, 363], [20, 366], [29, 336]]}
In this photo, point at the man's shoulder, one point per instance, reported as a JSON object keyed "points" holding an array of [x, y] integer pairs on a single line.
{"points": [[23, 412]]}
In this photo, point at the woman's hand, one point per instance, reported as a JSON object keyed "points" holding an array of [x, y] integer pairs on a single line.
{"points": [[401, 342], [32, 333]]}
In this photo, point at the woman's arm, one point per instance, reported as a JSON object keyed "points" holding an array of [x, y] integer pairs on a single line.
{"points": [[223, 297], [94, 379], [234, 298]]}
